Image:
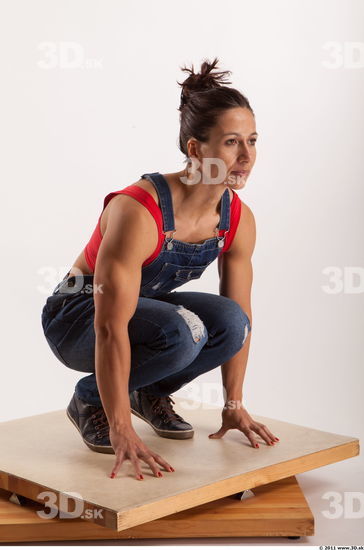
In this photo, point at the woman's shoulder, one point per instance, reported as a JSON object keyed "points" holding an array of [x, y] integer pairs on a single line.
{"points": [[120, 202], [147, 185], [246, 228]]}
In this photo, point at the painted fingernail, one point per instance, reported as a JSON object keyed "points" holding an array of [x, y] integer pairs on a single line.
{"points": [[256, 445], [159, 474], [276, 438], [112, 475], [140, 476], [171, 469]]}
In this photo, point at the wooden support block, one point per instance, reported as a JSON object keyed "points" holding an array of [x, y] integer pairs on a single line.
{"points": [[46, 453], [278, 509]]}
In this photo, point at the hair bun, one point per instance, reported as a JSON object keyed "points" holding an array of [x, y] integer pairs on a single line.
{"points": [[204, 80]]}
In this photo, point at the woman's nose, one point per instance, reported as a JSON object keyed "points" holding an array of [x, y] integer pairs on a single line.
{"points": [[244, 154]]}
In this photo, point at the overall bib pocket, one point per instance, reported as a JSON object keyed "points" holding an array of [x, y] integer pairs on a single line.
{"points": [[172, 276]]}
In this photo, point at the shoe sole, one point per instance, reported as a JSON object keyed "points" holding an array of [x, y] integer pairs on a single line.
{"points": [[170, 434], [97, 448]]}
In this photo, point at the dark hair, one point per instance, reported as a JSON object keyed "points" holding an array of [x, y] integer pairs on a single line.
{"points": [[203, 99]]}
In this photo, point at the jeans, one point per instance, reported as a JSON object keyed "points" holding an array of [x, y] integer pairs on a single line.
{"points": [[173, 338]]}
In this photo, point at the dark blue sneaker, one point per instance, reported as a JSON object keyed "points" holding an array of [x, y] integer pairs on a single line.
{"points": [[92, 423], [159, 414]]}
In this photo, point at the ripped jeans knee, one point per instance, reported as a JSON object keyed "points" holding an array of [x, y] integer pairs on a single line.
{"points": [[194, 323]]}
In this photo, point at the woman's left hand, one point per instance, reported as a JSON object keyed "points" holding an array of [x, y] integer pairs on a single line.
{"points": [[240, 419]]}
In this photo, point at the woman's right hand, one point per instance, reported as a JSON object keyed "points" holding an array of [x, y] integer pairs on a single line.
{"points": [[128, 445]]}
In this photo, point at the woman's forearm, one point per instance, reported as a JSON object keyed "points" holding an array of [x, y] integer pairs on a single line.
{"points": [[112, 357], [233, 373]]}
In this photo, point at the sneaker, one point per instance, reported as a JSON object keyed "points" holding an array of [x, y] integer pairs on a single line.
{"points": [[159, 414], [92, 423]]}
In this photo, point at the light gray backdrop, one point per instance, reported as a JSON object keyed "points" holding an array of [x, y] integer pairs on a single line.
{"points": [[89, 103]]}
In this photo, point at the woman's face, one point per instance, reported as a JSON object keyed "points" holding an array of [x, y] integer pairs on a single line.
{"points": [[232, 143]]}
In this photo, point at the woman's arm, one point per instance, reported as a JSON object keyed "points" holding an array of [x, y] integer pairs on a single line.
{"points": [[125, 245], [130, 237], [236, 277]]}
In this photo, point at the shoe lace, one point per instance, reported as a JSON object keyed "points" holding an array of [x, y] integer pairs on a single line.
{"points": [[100, 422], [163, 406]]}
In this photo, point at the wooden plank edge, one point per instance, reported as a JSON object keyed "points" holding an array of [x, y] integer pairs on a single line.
{"points": [[103, 516], [180, 525], [190, 499]]}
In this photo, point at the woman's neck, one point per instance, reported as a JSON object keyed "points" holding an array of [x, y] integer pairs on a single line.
{"points": [[194, 201]]}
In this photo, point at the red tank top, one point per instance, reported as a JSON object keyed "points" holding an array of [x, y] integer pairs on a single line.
{"points": [[145, 198]]}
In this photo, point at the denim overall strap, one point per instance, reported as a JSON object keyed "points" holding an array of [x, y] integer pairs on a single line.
{"points": [[165, 199], [225, 211], [224, 225]]}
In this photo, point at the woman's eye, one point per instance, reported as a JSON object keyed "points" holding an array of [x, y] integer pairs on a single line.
{"points": [[252, 141]]}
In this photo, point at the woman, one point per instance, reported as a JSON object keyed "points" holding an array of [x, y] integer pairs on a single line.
{"points": [[116, 314]]}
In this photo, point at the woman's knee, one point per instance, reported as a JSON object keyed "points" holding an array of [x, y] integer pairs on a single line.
{"points": [[194, 324], [187, 334], [234, 322]]}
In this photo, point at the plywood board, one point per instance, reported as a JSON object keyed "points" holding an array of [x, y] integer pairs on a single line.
{"points": [[277, 509], [46, 452]]}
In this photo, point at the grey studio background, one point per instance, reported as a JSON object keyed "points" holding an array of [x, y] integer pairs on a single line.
{"points": [[89, 103]]}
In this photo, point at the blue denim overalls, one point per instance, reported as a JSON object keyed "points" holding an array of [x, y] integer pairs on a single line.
{"points": [[163, 357], [179, 262]]}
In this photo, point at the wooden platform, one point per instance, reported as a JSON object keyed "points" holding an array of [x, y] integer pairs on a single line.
{"points": [[278, 509], [46, 453]]}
